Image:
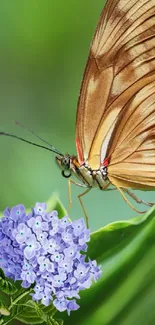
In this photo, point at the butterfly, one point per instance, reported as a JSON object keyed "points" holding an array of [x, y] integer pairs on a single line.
{"points": [[115, 122]]}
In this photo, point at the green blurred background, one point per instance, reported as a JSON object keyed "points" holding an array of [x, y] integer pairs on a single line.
{"points": [[43, 51], [44, 47]]}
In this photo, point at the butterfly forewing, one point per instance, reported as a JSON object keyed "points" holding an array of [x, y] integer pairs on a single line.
{"points": [[116, 109]]}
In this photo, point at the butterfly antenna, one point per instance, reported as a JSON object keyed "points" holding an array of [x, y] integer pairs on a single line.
{"points": [[30, 142], [38, 137]]}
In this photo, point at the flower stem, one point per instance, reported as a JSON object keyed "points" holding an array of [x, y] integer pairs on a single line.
{"points": [[22, 295], [15, 302]]}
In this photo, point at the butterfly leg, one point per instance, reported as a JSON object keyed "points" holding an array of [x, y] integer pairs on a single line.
{"points": [[106, 186], [82, 205], [127, 201], [134, 197], [71, 181]]}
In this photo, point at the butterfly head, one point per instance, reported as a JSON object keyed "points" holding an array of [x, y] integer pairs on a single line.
{"points": [[65, 163]]}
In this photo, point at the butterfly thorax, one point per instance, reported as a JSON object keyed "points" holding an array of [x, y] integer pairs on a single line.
{"points": [[84, 173], [88, 176]]}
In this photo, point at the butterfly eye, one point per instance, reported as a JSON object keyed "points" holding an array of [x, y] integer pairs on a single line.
{"points": [[65, 162]]}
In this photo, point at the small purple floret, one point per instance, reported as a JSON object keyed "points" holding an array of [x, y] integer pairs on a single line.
{"points": [[39, 247]]}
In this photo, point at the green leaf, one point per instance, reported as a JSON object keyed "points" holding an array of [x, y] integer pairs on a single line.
{"points": [[6, 286], [59, 322], [29, 312], [38, 309], [2, 275], [52, 321], [49, 310], [3, 309], [126, 291], [55, 204]]}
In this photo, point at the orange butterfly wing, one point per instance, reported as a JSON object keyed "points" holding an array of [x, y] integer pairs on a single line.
{"points": [[116, 109], [133, 149]]}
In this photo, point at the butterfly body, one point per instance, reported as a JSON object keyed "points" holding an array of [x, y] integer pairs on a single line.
{"points": [[83, 172], [93, 178]]}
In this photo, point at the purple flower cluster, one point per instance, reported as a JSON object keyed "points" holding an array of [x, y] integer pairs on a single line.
{"points": [[41, 248]]}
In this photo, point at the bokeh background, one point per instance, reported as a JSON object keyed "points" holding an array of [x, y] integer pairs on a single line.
{"points": [[43, 51]]}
